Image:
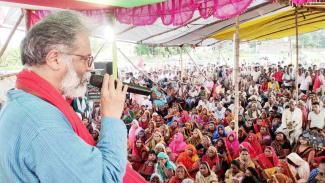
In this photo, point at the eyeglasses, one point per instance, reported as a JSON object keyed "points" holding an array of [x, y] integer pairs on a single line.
{"points": [[88, 58]]}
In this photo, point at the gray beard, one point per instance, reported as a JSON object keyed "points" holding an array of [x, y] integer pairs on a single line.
{"points": [[72, 86]]}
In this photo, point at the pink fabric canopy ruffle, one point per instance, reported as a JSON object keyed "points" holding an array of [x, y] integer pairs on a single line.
{"points": [[180, 12]]}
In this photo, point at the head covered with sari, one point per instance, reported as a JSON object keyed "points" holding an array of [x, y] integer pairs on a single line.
{"points": [[177, 144], [232, 145], [253, 140], [265, 162]]}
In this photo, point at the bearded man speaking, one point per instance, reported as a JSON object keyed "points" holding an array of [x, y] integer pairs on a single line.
{"points": [[41, 138]]}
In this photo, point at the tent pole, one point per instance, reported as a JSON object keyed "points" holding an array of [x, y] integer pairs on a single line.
{"points": [[196, 66], [127, 59], [236, 72], [182, 71], [297, 53], [3, 49]]}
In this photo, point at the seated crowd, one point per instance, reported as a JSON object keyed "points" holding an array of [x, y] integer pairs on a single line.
{"points": [[186, 130]]}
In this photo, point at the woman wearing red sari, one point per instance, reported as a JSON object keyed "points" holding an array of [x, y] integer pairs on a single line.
{"points": [[144, 120], [253, 140], [189, 159], [232, 145], [304, 150], [211, 157], [138, 155], [184, 117], [250, 149], [181, 173], [267, 162]]}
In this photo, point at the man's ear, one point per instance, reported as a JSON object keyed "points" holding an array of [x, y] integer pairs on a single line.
{"points": [[52, 59]]}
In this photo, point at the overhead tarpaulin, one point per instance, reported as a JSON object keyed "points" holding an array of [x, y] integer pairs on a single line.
{"points": [[180, 12], [83, 4], [33, 16], [276, 25]]}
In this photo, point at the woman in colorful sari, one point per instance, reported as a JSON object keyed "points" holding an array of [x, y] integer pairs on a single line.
{"points": [[150, 130], [177, 145], [299, 168], [211, 157], [279, 178], [206, 143], [156, 178], [184, 117], [304, 150], [158, 97], [160, 147], [181, 173], [233, 173], [267, 162], [187, 130], [138, 155], [224, 157], [164, 167], [144, 120], [228, 117], [232, 145], [196, 138], [189, 159], [242, 135], [154, 140], [220, 132], [281, 145], [251, 176], [164, 130], [249, 148], [205, 175], [284, 170], [173, 128], [264, 136], [252, 139], [210, 130], [135, 128], [245, 160], [258, 124], [148, 167]]}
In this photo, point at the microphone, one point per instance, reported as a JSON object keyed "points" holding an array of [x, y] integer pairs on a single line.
{"points": [[97, 81]]}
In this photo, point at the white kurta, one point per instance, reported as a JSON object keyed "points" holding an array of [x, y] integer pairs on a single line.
{"points": [[294, 117]]}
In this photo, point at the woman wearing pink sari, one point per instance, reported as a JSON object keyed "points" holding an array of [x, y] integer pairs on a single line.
{"points": [[184, 117], [232, 145], [177, 145], [135, 128]]}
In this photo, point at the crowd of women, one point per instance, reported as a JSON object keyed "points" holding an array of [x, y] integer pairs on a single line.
{"points": [[185, 131]]}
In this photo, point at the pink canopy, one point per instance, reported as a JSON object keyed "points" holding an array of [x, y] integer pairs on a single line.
{"points": [[180, 12], [171, 12]]}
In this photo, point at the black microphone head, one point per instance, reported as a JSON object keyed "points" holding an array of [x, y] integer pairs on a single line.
{"points": [[96, 80]]}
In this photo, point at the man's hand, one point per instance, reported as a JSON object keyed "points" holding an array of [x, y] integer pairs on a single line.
{"points": [[112, 99]]}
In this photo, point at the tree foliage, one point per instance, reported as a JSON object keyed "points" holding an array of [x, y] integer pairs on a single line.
{"points": [[152, 51]]}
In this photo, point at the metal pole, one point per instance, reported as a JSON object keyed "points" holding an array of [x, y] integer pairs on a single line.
{"points": [[3, 49], [119, 50], [236, 72], [197, 67], [297, 54]]}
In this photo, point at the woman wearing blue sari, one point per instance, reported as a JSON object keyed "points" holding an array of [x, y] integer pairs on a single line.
{"points": [[158, 98]]}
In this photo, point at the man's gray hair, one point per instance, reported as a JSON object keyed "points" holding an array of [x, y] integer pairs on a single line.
{"points": [[57, 31]]}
